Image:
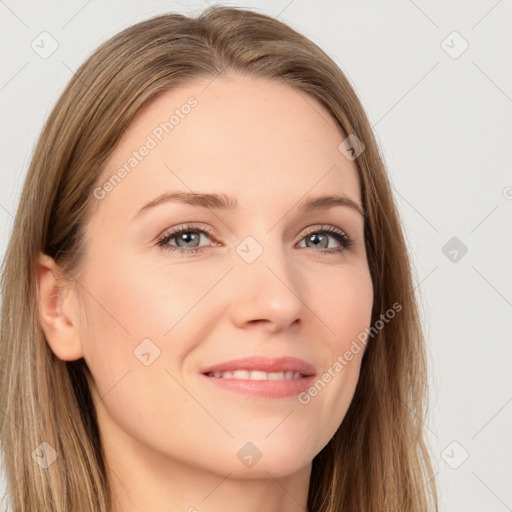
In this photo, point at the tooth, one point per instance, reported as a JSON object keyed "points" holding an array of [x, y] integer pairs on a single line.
{"points": [[257, 375], [239, 374]]}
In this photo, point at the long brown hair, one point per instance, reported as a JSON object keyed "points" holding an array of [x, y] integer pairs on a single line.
{"points": [[378, 459]]}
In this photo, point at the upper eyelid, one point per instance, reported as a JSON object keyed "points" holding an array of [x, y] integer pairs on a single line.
{"points": [[186, 227]]}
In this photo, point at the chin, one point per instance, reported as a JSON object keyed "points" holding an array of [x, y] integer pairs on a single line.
{"points": [[272, 467], [262, 459]]}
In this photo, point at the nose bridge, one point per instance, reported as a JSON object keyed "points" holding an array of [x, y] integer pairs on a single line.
{"points": [[267, 288]]}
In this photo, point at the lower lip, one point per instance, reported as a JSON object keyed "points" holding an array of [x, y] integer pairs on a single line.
{"points": [[264, 388]]}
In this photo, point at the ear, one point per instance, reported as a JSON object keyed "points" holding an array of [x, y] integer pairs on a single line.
{"points": [[57, 309]]}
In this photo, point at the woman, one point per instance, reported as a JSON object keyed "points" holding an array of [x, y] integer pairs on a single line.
{"points": [[207, 298]]}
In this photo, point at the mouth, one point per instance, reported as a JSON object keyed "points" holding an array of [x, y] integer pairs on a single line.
{"points": [[261, 368], [262, 377]]}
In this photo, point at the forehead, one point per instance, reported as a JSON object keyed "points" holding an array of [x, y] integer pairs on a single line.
{"points": [[240, 136]]}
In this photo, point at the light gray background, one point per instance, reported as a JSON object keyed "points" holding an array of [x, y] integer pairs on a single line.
{"points": [[444, 126]]}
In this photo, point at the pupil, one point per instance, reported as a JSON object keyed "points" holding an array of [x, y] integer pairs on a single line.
{"points": [[186, 237], [316, 239]]}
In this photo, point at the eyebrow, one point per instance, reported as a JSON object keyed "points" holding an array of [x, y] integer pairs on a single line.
{"points": [[225, 202]]}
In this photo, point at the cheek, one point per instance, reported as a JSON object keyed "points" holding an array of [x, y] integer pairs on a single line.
{"points": [[151, 300], [346, 312], [135, 310], [128, 314], [345, 305]]}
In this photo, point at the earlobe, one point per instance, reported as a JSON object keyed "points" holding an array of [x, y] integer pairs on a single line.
{"points": [[56, 310]]}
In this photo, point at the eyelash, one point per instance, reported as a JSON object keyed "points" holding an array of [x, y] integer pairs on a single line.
{"points": [[345, 241]]}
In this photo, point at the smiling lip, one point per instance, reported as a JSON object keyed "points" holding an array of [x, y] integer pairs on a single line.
{"points": [[263, 388], [264, 364]]}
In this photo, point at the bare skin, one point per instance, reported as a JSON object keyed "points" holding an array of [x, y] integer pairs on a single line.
{"points": [[171, 435]]}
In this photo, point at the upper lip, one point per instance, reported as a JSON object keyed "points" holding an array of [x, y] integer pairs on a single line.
{"points": [[264, 364]]}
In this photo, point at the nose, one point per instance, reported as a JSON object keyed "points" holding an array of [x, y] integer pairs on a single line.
{"points": [[266, 292]]}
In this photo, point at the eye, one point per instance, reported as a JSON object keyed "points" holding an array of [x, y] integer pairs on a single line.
{"points": [[187, 235], [188, 238], [322, 241]]}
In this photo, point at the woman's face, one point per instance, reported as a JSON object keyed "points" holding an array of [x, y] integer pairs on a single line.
{"points": [[262, 279]]}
